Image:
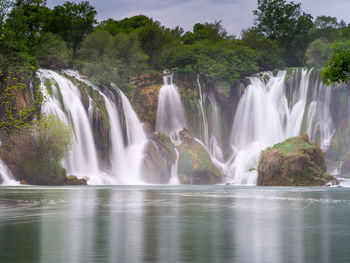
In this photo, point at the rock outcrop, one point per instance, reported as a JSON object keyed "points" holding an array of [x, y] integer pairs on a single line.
{"points": [[195, 164], [159, 158], [294, 162], [73, 180]]}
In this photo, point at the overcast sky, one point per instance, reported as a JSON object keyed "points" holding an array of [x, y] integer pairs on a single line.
{"points": [[235, 14]]}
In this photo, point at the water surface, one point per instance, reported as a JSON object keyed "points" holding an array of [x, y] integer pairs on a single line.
{"points": [[174, 224]]}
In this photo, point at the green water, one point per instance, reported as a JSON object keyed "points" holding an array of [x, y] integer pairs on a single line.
{"points": [[174, 224]]}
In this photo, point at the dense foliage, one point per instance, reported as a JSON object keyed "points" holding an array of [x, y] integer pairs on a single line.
{"points": [[115, 50], [35, 153]]}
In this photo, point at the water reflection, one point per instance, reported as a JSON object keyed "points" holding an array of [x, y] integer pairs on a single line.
{"points": [[174, 224]]}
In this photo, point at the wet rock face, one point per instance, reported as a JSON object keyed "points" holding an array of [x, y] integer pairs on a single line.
{"points": [[195, 164], [160, 156], [294, 162]]}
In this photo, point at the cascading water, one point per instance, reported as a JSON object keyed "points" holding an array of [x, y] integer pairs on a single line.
{"points": [[136, 141], [171, 116], [65, 103], [6, 175], [265, 117], [201, 101], [211, 144]]}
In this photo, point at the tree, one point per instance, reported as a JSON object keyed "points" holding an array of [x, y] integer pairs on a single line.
{"points": [[25, 23], [337, 69], [154, 40], [52, 52], [126, 25], [109, 59], [287, 23], [72, 22], [318, 52], [207, 31], [280, 20]]}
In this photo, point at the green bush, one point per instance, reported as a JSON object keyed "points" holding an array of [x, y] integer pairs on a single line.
{"points": [[52, 52], [35, 154]]}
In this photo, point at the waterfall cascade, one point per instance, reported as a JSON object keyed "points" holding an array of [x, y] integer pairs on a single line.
{"points": [[266, 116], [65, 102], [6, 175], [270, 110], [171, 116]]}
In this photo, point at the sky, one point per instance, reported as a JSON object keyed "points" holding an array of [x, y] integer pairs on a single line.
{"points": [[234, 14]]}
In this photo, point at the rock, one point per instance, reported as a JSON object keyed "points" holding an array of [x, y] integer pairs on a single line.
{"points": [[160, 156], [345, 168], [294, 162], [146, 79], [73, 180], [195, 164]]}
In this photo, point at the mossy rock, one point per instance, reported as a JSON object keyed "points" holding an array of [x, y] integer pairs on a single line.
{"points": [[73, 180], [294, 162], [195, 164], [160, 155]]}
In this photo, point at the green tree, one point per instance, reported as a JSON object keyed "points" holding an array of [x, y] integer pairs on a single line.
{"points": [[208, 31], [52, 52], [72, 22], [318, 52], [25, 23], [337, 69], [126, 25], [155, 40], [287, 23]]}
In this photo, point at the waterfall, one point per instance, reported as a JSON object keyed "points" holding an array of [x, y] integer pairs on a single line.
{"points": [[136, 142], [65, 103], [171, 116], [265, 116], [6, 175], [125, 157], [201, 101]]}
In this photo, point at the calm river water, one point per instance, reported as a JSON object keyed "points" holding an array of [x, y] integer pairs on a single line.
{"points": [[174, 224]]}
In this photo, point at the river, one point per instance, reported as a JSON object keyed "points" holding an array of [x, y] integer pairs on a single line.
{"points": [[174, 224]]}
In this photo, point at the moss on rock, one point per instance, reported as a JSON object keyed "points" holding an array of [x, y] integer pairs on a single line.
{"points": [[159, 158], [195, 164], [294, 162]]}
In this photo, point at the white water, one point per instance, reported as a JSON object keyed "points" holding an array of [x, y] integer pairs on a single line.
{"points": [[171, 116], [6, 175], [82, 160], [201, 101], [125, 157], [136, 142], [264, 117]]}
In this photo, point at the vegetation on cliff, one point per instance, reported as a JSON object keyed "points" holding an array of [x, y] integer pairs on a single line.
{"points": [[294, 162]]}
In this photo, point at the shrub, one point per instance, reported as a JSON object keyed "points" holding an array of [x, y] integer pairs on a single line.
{"points": [[35, 154]]}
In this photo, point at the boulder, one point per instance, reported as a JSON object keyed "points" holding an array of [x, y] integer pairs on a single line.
{"points": [[195, 165], [73, 180], [160, 156], [294, 162]]}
